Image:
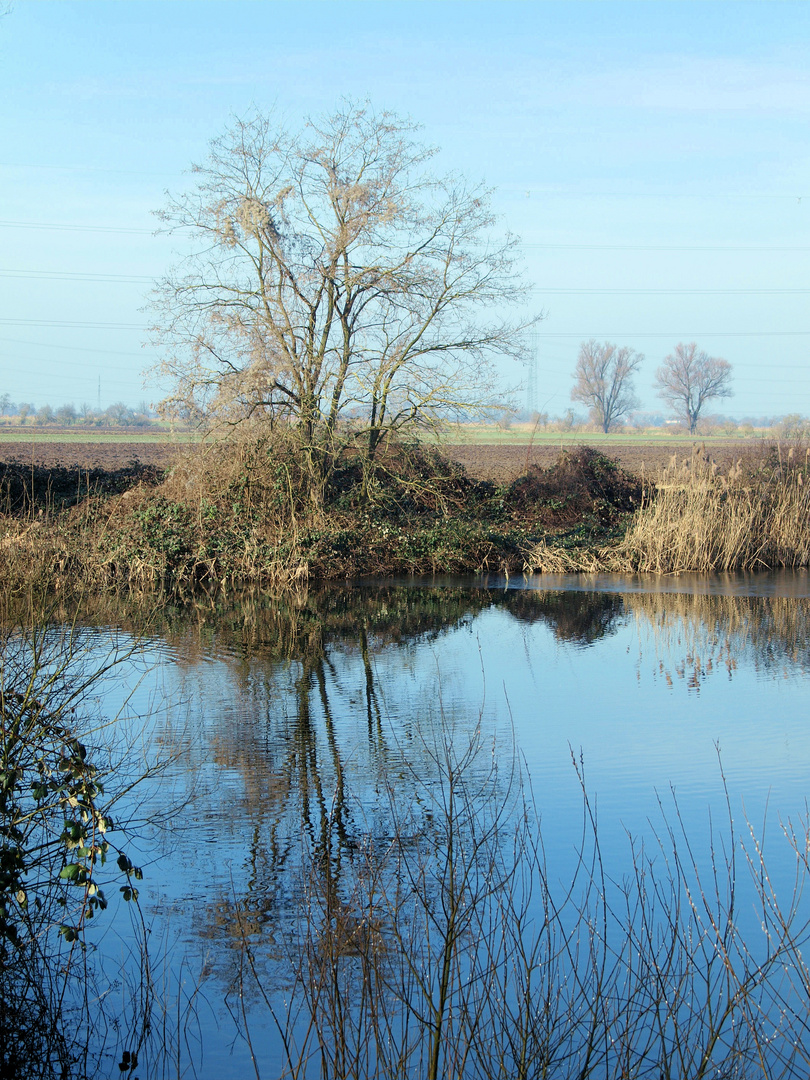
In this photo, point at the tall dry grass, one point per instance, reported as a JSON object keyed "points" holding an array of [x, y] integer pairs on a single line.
{"points": [[754, 516]]}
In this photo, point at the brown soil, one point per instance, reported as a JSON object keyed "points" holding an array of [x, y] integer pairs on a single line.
{"points": [[88, 455], [499, 463], [506, 463]]}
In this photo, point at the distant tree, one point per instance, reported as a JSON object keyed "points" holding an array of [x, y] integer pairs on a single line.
{"points": [[5, 405], [45, 415], [688, 378], [565, 422], [23, 411], [66, 414], [119, 414], [604, 381], [792, 426]]}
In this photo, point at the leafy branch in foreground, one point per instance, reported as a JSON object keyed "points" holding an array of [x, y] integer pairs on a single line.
{"points": [[63, 768], [55, 816]]}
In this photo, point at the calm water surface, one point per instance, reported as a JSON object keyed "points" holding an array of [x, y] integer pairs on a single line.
{"points": [[293, 721]]}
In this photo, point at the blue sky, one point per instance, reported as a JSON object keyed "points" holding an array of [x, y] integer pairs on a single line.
{"points": [[654, 158]]}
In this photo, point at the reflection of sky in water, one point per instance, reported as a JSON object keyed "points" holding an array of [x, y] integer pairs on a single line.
{"points": [[641, 690], [629, 703]]}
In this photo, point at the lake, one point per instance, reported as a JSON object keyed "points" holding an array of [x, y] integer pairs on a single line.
{"points": [[617, 767]]}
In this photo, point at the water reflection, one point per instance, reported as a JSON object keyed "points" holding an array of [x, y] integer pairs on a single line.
{"points": [[311, 707], [315, 724], [579, 618]]}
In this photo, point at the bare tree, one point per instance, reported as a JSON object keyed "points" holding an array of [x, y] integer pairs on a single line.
{"points": [[604, 381], [334, 286], [688, 378]]}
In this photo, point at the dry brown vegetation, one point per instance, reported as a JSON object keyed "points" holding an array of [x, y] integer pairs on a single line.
{"points": [[755, 515], [697, 517], [237, 512]]}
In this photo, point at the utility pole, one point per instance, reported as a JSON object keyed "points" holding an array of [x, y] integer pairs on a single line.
{"points": [[98, 405], [531, 375]]}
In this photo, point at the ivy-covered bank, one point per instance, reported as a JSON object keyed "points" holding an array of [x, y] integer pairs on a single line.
{"points": [[236, 515]]}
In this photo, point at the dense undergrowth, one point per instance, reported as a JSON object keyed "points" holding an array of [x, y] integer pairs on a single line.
{"points": [[240, 514]]}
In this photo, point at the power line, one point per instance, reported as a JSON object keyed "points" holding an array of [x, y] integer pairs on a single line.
{"points": [[73, 228], [58, 364], [77, 168], [669, 292], [754, 248], [70, 348], [530, 189], [76, 325], [679, 334], [73, 275]]}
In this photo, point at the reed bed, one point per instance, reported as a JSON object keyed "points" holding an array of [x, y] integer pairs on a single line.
{"points": [[755, 516], [697, 518]]}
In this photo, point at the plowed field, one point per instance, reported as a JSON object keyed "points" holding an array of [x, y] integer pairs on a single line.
{"points": [[505, 462], [500, 462], [88, 455]]}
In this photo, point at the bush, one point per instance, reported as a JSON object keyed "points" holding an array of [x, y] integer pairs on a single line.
{"points": [[61, 777]]}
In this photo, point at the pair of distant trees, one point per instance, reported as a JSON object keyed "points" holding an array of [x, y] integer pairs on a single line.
{"points": [[686, 380]]}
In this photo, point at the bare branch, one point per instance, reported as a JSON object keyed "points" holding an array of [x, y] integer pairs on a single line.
{"points": [[604, 381], [330, 276]]}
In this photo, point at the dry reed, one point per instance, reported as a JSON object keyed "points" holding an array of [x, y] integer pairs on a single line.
{"points": [[755, 516]]}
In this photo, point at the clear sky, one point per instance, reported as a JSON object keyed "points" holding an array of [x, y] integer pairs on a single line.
{"points": [[654, 158]]}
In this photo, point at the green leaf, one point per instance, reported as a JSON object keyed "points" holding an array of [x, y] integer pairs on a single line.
{"points": [[70, 872]]}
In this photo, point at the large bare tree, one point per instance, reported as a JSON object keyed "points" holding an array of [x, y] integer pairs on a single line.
{"points": [[688, 378], [604, 381], [335, 286]]}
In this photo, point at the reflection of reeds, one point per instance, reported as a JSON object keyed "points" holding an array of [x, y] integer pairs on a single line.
{"points": [[447, 949], [779, 625], [695, 634]]}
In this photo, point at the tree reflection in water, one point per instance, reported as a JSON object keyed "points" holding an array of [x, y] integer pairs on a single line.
{"points": [[337, 833]]}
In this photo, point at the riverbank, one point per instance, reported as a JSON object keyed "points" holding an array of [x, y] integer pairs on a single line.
{"points": [[232, 515]]}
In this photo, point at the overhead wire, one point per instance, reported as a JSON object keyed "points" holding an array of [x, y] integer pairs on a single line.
{"points": [[92, 276], [73, 228], [76, 275]]}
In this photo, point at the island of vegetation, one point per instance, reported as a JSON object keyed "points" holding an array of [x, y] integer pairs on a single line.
{"points": [[339, 305]]}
